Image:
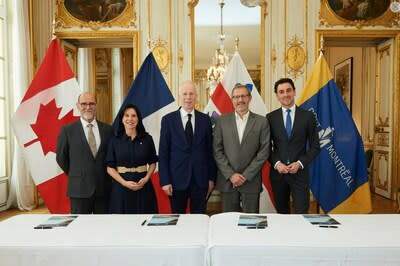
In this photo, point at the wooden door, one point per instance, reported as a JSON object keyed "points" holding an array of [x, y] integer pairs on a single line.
{"points": [[382, 175]]}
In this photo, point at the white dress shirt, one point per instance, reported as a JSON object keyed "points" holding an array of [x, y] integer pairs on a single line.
{"points": [[185, 118], [241, 124], [96, 131]]}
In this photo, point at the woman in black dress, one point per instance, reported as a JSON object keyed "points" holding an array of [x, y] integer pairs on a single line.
{"points": [[131, 160]]}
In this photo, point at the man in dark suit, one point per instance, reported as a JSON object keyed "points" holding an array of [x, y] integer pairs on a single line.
{"points": [[186, 164], [241, 147], [294, 144], [81, 150]]}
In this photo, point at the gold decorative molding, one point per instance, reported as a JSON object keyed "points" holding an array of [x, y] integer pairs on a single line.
{"points": [[383, 122], [383, 51], [273, 57], [385, 155], [161, 53], [71, 56], [191, 5], [200, 74], [295, 57], [98, 36], [180, 58], [264, 14], [330, 17], [382, 139], [95, 17]]}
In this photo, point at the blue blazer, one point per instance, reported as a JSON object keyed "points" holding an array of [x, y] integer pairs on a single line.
{"points": [[179, 163]]}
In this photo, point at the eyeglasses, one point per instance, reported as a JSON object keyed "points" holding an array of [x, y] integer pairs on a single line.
{"points": [[87, 104], [237, 97]]}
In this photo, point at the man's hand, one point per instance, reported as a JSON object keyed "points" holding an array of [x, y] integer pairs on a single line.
{"points": [[167, 189], [237, 180], [282, 168], [294, 167]]}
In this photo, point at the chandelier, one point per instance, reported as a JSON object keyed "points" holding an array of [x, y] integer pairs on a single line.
{"points": [[220, 59]]}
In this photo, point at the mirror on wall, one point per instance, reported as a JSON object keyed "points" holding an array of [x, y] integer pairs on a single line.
{"points": [[220, 28], [104, 66]]}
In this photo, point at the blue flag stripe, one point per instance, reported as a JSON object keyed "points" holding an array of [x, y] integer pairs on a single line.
{"points": [[149, 91]]}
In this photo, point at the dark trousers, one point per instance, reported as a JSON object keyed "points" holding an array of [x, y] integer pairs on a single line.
{"points": [[298, 187], [94, 204], [193, 194]]}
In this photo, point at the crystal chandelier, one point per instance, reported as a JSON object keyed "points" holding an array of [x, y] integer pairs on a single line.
{"points": [[220, 59]]}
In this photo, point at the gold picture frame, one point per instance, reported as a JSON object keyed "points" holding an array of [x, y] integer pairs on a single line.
{"points": [[70, 53], [343, 72], [95, 14], [357, 13]]}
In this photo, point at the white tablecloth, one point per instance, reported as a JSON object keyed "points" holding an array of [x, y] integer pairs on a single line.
{"points": [[291, 240], [103, 240]]}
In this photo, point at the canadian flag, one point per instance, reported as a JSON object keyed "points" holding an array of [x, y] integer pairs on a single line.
{"points": [[49, 103], [220, 103]]}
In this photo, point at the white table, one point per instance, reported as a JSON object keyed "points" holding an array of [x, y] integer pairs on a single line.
{"points": [[103, 240], [291, 240]]}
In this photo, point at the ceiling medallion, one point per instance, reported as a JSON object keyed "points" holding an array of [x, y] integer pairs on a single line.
{"points": [[295, 57]]}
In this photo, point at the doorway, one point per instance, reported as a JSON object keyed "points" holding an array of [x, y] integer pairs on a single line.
{"points": [[374, 86]]}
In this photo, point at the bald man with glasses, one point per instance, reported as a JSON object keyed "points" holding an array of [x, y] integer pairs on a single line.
{"points": [[241, 146], [81, 150]]}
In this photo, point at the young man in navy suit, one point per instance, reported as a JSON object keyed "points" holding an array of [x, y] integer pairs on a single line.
{"points": [[294, 144], [186, 164]]}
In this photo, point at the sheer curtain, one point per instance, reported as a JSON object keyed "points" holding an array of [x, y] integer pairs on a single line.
{"points": [[22, 187]]}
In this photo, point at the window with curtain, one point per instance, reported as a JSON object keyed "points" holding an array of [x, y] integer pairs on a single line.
{"points": [[4, 121]]}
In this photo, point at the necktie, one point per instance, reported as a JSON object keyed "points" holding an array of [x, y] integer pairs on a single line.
{"points": [[92, 140], [288, 125], [189, 130]]}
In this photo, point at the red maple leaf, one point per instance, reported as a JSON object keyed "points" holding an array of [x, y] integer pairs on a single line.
{"points": [[48, 126]]}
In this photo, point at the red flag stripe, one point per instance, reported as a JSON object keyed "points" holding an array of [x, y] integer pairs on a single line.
{"points": [[56, 201], [54, 57], [162, 199], [267, 181], [222, 100]]}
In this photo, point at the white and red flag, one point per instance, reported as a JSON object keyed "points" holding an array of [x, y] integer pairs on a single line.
{"points": [[220, 102], [49, 103]]}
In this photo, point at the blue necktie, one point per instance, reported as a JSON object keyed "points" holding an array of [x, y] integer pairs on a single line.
{"points": [[288, 125]]}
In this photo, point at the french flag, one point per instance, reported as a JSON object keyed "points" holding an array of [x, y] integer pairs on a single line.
{"points": [[150, 93], [48, 104], [220, 102]]}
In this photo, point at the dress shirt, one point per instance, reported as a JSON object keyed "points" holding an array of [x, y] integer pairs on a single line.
{"points": [[292, 114], [185, 118], [241, 124], [95, 131]]}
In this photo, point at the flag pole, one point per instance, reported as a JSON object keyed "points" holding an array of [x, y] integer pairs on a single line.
{"points": [[321, 53]]}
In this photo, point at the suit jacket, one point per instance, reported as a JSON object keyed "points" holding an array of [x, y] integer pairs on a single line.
{"points": [[303, 144], [247, 157], [179, 163], [86, 174]]}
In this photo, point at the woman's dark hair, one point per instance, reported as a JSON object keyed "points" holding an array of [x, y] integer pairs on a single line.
{"points": [[139, 128], [282, 81]]}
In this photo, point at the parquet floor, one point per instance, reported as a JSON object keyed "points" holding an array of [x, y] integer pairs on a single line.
{"points": [[379, 205]]}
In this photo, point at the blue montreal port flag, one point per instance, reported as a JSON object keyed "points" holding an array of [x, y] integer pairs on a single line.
{"points": [[339, 174]]}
